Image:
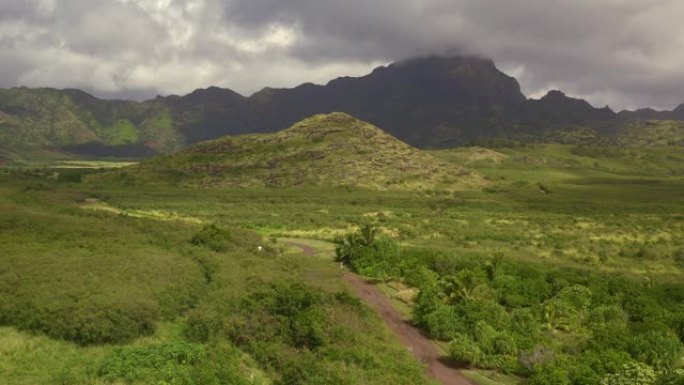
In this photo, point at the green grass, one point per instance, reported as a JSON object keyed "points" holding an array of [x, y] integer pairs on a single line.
{"points": [[100, 296], [121, 253]]}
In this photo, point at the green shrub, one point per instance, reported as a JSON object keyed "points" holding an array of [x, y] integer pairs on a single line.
{"points": [[631, 374], [465, 349], [213, 238], [70, 176], [556, 372], [175, 363], [443, 323], [661, 350], [91, 323]]}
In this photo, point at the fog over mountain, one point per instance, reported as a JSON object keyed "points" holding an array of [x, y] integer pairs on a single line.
{"points": [[625, 53]]}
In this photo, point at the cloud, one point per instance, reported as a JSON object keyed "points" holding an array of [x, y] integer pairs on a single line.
{"points": [[625, 53]]}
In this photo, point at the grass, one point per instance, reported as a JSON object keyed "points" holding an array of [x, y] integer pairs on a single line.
{"points": [[92, 289], [99, 244]]}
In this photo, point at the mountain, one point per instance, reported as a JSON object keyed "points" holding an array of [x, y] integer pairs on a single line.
{"points": [[433, 101], [47, 120], [428, 102], [556, 109], [324, 150], [651, 114]]}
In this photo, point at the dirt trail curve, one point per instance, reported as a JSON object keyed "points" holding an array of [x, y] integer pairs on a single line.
{"points": [[414, 340]]}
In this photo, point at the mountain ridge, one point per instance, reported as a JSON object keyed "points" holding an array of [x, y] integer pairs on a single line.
{"points": [[429, 102]]}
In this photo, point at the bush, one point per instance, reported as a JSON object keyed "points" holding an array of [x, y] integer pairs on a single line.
{"points": [[553, 373], [70, 176], [175, 363], [91, 323], [443, 323], [659, 349], [465, 349], [213, 238], [631, 374]]}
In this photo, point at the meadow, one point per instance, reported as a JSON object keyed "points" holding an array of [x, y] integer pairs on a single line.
{"points": [[92, 296], [111, 276]]}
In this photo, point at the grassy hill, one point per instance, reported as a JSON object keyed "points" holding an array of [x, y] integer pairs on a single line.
{"points": [[323, 150]]}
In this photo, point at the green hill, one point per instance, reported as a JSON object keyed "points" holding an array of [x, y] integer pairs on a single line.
{"points": [[323, 150], [44, 122]]}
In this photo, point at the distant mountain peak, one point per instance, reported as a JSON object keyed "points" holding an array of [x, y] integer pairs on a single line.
{"points": [[554, 94], [214, 92]]}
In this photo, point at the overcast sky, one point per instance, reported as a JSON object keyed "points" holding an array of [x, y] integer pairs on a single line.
{"points": [[624, 53]]}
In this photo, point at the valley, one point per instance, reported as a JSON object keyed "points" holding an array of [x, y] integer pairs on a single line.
{"points": [[537, 262]]}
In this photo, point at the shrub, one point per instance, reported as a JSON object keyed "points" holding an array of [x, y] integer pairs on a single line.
{"points": [[443, 323], [213, 238], [175, 363], [659, 349], [91, 323], [553, 373], [70, 176], [464, 348], [631, 374]]}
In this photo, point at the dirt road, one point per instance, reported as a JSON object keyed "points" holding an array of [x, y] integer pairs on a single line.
{"points": [[413, 338]]}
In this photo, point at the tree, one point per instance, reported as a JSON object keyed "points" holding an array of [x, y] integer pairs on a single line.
{"points": [[463, 286], [367, 235], [348, 247]]}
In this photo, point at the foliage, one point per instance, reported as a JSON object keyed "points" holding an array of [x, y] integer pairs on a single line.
{"points": [[179, 363], [213, 238], [293, 330], [632, 374], [493, 317], [322, 150]]}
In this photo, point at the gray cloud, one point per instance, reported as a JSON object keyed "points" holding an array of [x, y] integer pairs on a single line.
{"points": [[625, 53]]}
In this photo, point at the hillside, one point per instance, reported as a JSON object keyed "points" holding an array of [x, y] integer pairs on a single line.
{"points": [[323, 150], [38, 123], [429, 102]]}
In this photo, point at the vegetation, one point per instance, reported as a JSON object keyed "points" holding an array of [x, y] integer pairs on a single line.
{"points": [[555, 326], [563, 266], [434, 102], [129, 299], [324, 150]]}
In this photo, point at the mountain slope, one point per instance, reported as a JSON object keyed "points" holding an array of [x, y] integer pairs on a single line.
{"points": [[434, 101], [323, 150], [38, 120]]}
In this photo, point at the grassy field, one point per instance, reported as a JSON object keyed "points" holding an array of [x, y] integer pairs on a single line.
{"points": [[564, 215], [100, 296], [96, 275]]}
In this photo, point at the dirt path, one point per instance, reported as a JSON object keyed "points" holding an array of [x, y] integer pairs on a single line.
{"points": [[413, 338]]}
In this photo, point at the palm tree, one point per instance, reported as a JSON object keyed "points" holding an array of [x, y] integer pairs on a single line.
{"points": [[367, 235], [346, 248], [494, 264], [464, 286]]}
